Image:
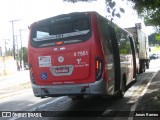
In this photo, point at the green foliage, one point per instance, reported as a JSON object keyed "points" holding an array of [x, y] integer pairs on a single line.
{"points": [[153, 39], [158, 37], [156, 49], [111, 8], [74, 1], [25, 52], [149, 10]]}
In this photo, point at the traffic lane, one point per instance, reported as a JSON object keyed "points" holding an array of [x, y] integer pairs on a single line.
{"points": [[90, 104], [94, 106], [58, 109], [154, 65], [14, 90], [108, 106], [22, 101]]}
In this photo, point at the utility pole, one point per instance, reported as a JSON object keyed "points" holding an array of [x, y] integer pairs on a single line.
{"points": [[17, 47], [0, 51], [22, 62], [5, 55], [5, 43], [14, 55]]}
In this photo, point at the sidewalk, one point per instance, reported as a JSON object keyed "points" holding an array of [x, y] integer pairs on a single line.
{"points": [[13, 77], [14, 83], [17, 73], [150, 102]]}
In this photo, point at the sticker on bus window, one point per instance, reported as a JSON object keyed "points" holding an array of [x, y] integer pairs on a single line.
{"points": [[44, 61]]}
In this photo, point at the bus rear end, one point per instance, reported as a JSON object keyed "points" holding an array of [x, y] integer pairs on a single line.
{"points": [[65, 57]]}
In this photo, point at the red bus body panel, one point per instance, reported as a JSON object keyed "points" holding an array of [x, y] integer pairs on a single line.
{"points": [[98, 65], [79, 56]]}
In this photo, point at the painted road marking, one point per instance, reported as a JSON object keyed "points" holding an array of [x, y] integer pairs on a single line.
{"points": [[41, 106], [133, 108]]}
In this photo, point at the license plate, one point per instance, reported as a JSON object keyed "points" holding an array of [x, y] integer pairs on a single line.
{"points": [[62, 69]]}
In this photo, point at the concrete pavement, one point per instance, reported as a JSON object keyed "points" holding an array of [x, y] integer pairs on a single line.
{"points": [[20, 77], [14, 84], [149, 104]]}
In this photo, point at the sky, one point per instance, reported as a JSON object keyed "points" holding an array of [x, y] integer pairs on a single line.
{"points": [[29, 11]]}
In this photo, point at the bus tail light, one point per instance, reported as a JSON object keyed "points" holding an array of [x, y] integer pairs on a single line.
{"points": [[99, 68], [59, 43], [31, 74]]}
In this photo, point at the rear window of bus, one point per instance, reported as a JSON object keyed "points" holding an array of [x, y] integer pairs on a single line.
{"points": [[68, 29]]}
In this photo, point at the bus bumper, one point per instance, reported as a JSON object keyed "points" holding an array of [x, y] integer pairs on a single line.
{"points": [[96, 88]]}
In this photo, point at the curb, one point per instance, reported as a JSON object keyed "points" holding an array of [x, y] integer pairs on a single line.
{"points": [[134, 106]]}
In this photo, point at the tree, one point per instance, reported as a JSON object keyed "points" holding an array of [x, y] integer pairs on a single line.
{"points": [[25, 52], [111, 8], [74, 1], [149, 10], [153, 39], [158, 37], [9, 52]]}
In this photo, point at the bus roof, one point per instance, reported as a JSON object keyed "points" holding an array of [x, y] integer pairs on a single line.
{"points": [[60, 16]]}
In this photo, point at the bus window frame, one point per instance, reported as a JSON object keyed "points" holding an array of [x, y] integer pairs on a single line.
{"points": [[69, 40]]}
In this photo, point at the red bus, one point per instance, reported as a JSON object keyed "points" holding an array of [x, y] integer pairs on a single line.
{"points": [[79, 54]]}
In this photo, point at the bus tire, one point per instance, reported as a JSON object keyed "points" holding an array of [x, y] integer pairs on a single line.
{"points": [[76, 97], [137, 71], [142, 67], [147, 65], [121, 92]]}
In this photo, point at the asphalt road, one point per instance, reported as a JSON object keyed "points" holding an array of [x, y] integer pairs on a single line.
{"points": [[61, 108]]}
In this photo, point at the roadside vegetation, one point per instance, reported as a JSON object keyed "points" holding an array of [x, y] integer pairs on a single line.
{"points": [[156, 49], [146, 9]]}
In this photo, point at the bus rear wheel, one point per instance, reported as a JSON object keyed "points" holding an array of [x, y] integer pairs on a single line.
{"points": [[147, 64], [76, 97], [142, 67], [121, 92]]}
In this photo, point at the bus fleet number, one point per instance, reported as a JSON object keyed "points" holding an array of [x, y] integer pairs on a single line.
{"points": [[81, 53]]}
